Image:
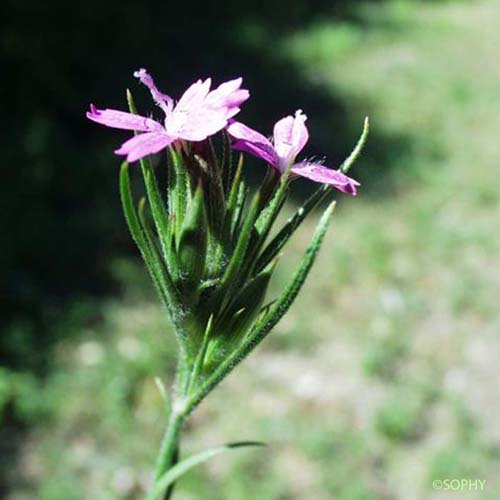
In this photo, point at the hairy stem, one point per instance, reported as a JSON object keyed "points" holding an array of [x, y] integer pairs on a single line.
{"points": [[169, 447]]}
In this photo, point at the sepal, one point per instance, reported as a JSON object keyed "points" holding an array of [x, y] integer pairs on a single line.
{"points": [[234, 323], [192, 246]]}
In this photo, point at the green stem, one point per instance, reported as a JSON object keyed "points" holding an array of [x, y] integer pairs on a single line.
{"points": [[168, 454], [169, 447]]}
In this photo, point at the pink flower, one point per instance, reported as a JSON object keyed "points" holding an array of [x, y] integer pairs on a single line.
{"points": [[199, 114], [290, 137]]}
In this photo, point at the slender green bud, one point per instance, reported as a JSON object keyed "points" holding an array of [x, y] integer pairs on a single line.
{"points": [[238, 317], [192, 248], [246, 305]]}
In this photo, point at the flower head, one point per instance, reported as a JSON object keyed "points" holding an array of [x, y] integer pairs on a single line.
{"points": [[290, 135], [198, 114]]}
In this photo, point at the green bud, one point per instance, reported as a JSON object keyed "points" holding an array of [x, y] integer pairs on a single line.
{"points": [[238, 317], [192, 247], [246, 306]]}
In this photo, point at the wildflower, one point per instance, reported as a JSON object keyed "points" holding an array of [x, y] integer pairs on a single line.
{"points": [[290, 135], [199, 114]]}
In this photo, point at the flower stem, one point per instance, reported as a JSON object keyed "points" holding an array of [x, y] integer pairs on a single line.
{"points": [[169, 447]]}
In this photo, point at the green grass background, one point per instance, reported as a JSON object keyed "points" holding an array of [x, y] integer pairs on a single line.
{"points": [[385, 374]]}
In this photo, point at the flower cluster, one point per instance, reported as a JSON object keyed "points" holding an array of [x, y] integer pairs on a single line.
{"points": [[201, 113], [206, 241]]}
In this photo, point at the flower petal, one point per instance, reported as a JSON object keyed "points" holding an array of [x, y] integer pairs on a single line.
{"points": [[242, 132], [252, 142], [201, 123], [325, 175], [144, 144], [227, 95], [181, 122], [261, 151], [163, 100], [290, 136], [122, 120], [193, 96]]}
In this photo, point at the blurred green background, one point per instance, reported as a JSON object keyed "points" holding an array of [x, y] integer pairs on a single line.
{"points": [[385, 374]]}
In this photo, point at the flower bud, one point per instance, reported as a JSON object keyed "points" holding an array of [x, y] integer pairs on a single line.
{"points": [[192, 247]]}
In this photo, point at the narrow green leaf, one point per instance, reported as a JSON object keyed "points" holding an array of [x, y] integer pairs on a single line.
{"points": [[266, 219], [200, 357], [270, 212], [288, 296], [229, 281], [241, 199], [233, 193], [227, 162], [149, 235], [156, 203], [279, 241], [156, 255], [269, 184], [221, 245], [131, 104], [182, 467], [163, 392], [161, 279], [349, 161], [232, 200]]}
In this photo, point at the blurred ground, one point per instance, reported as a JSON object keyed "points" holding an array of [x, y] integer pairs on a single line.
{"points": [[384, 376]]}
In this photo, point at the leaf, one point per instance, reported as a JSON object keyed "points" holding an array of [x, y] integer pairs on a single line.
{"points": [[182, 467], [266, 219], [270, 212], [241, 198], [221, 247], [200, 357], [287, 297], [229, 281], [161, 278], [227, 162], [163, 392], [156, 203], [268, 187], [349, 161], [279, 241], [159, 274], [232, 199], [150, 236]]}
